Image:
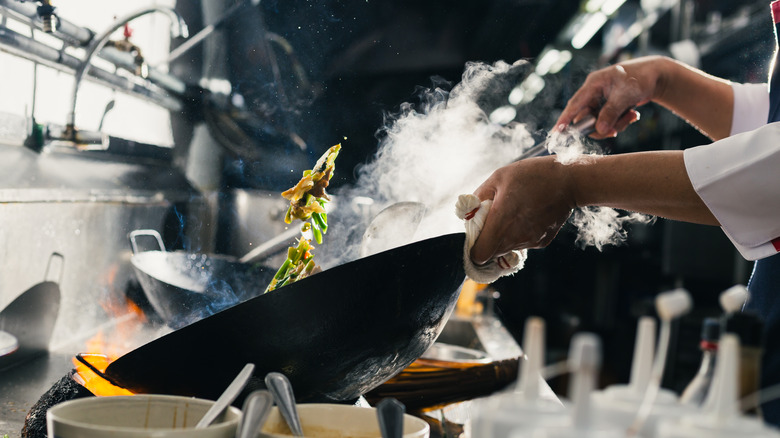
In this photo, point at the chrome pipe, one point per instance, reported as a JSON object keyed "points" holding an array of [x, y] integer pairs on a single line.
{"points": [[25, 47], [27, 12], [178, 28]]}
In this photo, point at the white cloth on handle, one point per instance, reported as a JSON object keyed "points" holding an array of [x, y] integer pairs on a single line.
{"points": [[473, 212]]}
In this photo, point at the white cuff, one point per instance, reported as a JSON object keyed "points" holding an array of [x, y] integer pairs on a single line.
{"points": [[751, 107], [737, 179]]}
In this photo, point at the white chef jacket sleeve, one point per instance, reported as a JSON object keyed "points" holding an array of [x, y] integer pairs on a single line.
{"points": [[737, 177], [751, 107]]}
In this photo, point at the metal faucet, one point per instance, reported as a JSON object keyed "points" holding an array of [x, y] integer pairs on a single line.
{"points": [[46, 12], [178, 29]]}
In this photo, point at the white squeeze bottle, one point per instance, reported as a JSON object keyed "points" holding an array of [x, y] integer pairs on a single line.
{"points": [[720, 416], [585, 363], [524, 406], [620, 404], [731, 300]]}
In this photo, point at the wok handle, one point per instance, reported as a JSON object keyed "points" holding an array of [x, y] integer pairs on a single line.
{"points": [[133, 234], [62, 266]]}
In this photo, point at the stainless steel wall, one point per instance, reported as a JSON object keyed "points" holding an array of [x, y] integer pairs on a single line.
{"points": [[82, 206]]}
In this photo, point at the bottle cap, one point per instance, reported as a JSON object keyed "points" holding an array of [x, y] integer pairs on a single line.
{"points": [[733, 298], [710, 330], [673, 304]]}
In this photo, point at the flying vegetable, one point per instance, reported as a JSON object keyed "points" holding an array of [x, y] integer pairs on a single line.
{"points": [[307, 203]]}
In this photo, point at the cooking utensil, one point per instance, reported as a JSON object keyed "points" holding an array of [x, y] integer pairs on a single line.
{"points": [[31, 316], [227, 397], [282, 391], [425, 386], [272, 246], [393, 225], [185, 287], [584, 127], [256, 408], [8, 343], [390, 413], [441, 354], [336, 334]]}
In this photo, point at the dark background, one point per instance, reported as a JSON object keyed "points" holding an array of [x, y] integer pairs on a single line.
{"points": [[363, 59]]}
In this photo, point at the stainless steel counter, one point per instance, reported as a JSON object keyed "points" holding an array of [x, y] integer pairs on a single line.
{"points": [[23, 385]]}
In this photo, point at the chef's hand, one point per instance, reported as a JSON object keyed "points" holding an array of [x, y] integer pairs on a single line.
{"points": [[531, 202], [612, 94]]}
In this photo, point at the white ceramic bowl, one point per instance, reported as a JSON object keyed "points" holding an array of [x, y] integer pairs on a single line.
{"points": [[339, 421], [137, 416]]}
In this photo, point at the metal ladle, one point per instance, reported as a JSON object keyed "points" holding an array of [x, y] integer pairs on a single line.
{"points": [[227, 396], [255, 411], [395, 223], [282, 391], [390, 413]]}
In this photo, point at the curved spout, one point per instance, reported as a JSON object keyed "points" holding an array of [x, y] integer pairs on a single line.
{"points": [[178, 28]]}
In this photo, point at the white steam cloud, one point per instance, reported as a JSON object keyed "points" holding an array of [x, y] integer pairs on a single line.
{"points": [[600, 226], [596, 226], [443, 148]]}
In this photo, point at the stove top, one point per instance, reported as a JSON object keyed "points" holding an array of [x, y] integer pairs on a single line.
{"points": [[22, 385]]}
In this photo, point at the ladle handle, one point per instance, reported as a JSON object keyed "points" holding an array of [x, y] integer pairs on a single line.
{"points": [[255, 411], [391, 418], [227, 397], [282, 390]]}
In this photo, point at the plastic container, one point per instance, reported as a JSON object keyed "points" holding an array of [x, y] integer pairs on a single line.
{"points": [[720, 416], [138, 416], [523, 407], [696, 391]]}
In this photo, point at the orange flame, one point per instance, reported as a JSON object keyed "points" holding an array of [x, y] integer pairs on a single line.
{"points": [[104, 348], [93, 381]]}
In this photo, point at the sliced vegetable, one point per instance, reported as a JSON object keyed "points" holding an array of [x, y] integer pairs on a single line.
{"points": [[307, 204]]}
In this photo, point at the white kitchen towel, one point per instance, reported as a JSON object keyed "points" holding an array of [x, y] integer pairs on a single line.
{"points": [[473, 212]]}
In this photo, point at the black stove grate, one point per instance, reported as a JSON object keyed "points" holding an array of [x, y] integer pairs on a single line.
{"points": [[63, 390]]}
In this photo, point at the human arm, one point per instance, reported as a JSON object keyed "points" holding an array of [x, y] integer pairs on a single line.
{"points": [[533, 198], [614, 92]]}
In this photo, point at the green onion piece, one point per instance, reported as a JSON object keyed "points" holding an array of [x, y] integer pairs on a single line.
{"points": [[283, 269], [318, 220], [317, 233], [309, 266]]}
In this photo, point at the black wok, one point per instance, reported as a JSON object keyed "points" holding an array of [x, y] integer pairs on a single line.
{"points": [[336, 335], [185, 287]]}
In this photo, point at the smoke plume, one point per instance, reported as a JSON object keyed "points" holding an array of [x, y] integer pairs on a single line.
{"points": [[443, 147]]}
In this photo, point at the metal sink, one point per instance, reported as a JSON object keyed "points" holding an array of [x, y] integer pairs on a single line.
{"points": [[461, 332], [483, 333]]}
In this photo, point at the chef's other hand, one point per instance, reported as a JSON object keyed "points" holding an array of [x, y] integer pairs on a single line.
{"points": [[531, 202], [612, 94]]}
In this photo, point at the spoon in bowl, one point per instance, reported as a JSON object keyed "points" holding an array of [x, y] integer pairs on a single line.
{"points": [[256, 408], [227, 396], [282, 391], [390, 413]]}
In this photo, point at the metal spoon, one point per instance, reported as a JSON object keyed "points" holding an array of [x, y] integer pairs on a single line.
{"points": [[282, 390], [256, 408], [227, 396], [390, 413], [394, 224]]}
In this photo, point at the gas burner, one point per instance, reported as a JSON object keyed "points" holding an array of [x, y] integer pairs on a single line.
{"points": [[65, 389]]}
